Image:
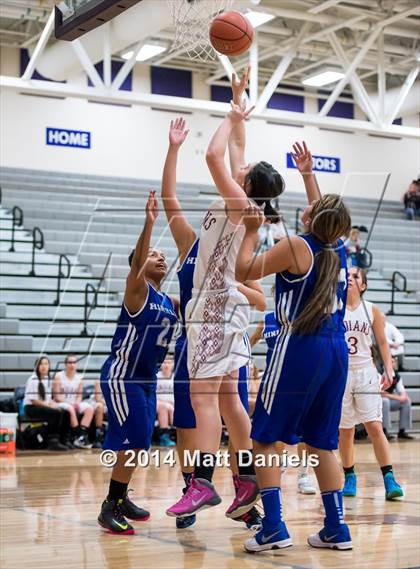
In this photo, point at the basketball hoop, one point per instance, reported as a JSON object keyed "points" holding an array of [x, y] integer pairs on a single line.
{"points": [[192, 19]]}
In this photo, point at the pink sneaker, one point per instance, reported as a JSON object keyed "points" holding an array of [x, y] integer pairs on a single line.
{"points": [[247, 494], [201, 494]]}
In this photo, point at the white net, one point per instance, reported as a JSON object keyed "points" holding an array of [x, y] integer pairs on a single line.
{"points": [[192, 19]]}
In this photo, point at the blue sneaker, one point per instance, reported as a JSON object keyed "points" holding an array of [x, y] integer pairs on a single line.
{"points": [[393, 490], [350, 485], [166, 441], [266, 539], [183, 523], [332, 538]]}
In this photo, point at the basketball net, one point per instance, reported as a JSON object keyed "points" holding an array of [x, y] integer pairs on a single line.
{"points": [[192, 19]]}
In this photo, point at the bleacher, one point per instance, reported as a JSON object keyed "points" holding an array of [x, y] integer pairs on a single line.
{"points": [[87, 217]]}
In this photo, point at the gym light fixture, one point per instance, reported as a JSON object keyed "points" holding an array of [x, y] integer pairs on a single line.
{"points": [[147, 51], [323, 78], [258, 18]]}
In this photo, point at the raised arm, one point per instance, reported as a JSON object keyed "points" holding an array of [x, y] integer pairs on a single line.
{"points": [[136, 284], [234, 196], [257, 335], [237, 138], [181, 230], [288, 254], [304, 163], [383, 347]]}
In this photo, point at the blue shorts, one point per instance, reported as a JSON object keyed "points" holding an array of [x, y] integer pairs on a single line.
{"points": [[301, 394], [184, 417], [131, 416]]}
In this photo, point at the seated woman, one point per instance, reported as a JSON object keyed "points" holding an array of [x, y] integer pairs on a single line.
{"points": [[67, 392], [165, 403], [38, 405], [395, 398]]}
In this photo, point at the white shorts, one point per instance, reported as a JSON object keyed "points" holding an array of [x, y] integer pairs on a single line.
{"points": [[362, 401], [83, 405], [216, 324]]}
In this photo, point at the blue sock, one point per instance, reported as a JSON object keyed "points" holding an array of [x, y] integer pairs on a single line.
{"points": [[271, 499], [187, 479], [333, 504]]}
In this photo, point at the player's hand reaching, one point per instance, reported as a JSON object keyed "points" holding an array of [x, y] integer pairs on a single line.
{"points": [[177, 132], [152, 210], [386, 379], [239, 86], [239, 112], [302, 157], [253, 218]]}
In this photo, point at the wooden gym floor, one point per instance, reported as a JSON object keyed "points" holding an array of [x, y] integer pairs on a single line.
{"points": [[49, 505]]}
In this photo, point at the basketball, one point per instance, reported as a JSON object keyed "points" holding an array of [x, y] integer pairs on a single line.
{"points": [[231, 33]]}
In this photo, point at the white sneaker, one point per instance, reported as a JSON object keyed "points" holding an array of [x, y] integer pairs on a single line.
{"points": [[305, 485]]}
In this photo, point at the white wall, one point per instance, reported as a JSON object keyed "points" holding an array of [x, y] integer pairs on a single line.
{"points": [[131, 141]]}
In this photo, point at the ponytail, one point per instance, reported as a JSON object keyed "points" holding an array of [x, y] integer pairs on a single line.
{"points": [[270, 213], [329, 220], [41, 387], [321, 303]]}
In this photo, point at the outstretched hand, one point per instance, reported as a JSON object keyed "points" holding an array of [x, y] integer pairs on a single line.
{"points": [[253, 218], [239, 112], [239, 86], [177, 132], [152, 208], [302, 157]]}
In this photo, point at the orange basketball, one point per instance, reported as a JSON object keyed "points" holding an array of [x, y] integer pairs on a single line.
{"points": [[231, 33]]}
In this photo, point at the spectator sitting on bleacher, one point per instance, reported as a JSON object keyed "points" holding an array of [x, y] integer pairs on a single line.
{"points": [[395, 341], [39, 406], [97, 401], [67, 392], [165, 402], [395, 398], [411, 199], [353, 246]]}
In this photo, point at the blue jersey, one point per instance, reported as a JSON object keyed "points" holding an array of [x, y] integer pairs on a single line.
{"points": [[185, 275], [294, 291], [141, 341], [270, 332]]}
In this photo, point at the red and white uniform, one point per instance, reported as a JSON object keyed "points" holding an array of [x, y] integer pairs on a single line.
{"points": [[218, 314], [362, 401]]}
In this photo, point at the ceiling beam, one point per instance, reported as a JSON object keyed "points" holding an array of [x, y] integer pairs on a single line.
{"points": [[323, 6], [281, 69], [39, 48], [87, 65], [405, 89], [183, 104], [254, 73], [381, 76], [127, 66], [359, 91]]}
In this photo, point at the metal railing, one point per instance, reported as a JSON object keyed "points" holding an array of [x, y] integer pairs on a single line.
{"points": [[91, 305], [396, 274], [297, 219], [17, 221], [61, 275], [37, 243]]}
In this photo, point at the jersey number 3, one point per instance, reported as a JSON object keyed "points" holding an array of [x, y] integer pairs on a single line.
{"points": [[161, 339], [352, 342]]}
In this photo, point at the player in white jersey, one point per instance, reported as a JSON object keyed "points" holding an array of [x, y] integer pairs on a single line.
{"points": [[362, 401], [68, 392], [218, 314]]}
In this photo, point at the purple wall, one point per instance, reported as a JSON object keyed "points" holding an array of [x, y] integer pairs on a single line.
{"points": [[173, 82], [127, 84]]}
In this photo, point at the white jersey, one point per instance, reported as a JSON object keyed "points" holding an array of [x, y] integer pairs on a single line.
{"points": [[69, 387], [358, 323], [220, 240]]}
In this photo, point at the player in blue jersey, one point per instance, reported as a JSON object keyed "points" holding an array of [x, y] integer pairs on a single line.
{"points": [[128, 377], [302, 389], [187, 245]]}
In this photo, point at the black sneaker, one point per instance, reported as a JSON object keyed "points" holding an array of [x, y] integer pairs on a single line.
{"points": [[68, 444], [405, 436], [251, 519], [82, 441], [131, 511], [186, 522], [112, 519], [54, 444]]}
